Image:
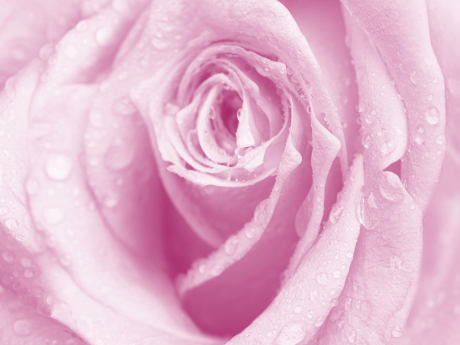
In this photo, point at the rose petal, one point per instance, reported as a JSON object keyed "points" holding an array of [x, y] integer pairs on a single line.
{"points": [[377, 298], [85, 266], [307, 297], [436, 309]]}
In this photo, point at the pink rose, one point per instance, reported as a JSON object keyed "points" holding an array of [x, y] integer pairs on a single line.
{"points": [[240, 172]]}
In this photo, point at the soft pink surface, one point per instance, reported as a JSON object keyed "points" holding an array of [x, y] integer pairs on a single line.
{"points": [[240, 172]]}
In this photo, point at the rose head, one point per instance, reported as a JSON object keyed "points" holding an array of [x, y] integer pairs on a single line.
{"points": [[229, 172]]}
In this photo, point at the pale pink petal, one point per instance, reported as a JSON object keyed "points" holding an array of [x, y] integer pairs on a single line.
{"points": [[91, 282], [306, 299], [435, 315], [27, 26], [383, 278]]}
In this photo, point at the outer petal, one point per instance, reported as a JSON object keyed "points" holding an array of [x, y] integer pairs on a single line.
{"points": [[26, 26], [383, 278], [86, 274], [436, 312]]}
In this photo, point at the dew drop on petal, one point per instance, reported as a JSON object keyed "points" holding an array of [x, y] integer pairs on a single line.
{"points": [[230, 245], [412, 77], [250, 231], [70, 52], [314, 295], [321, 278], [334, 302], [119, 157], [336, 274], [432, 115], [8, 256], [32, 187], [111, 201], [104, 36], [12, 224], [439, 139], [52, 216], [291, 334], [397, 332], [22, 327], [26, 262], [352, 337], [58, 166], [371, 201], [366, 141], [95, 118], [335, 214], [28, 273]]}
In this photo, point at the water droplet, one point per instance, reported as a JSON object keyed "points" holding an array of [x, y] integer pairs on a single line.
{"points": [[384, 149], [321, 278], [334, 302], [238, 114], [366, 141], [95, 118], [412, 77], [298, 309], [124, 106], [12, 224], [65, 259], [8, 256], [28, 273], [111, 201], [349, 254], [395, 263], [352, 337], [216, 270], [335, 214], [104, 36], [313, 295], [347, 304], [26, 262], [159, 43], [32, 187], [336, 274], [22, 327], [119, 156], [291, 334], [439, 139], [310, 314], [457, 309], [397, 332], [82, 25], [365, 215], [58, 166], [52, 216], [371, 201], [250, 231], [70, 52], [231, 244], [391, 191], [432, 115]]}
